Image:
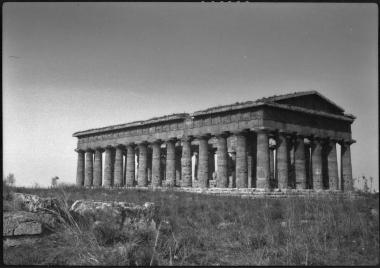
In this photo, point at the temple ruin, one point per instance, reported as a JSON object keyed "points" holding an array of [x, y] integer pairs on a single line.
{"points": [[286, 142]]}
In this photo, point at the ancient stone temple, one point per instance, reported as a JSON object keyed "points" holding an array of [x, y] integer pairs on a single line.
{"points": [[286, 141]]}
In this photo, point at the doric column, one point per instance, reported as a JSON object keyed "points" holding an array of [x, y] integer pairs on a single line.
{"points": [[88, 176], [143, 158], [170, 162], [156, 164], [262, 170], [316, 163], [118, 171], [108, 167], [186, 162], [80, 168], [241, 160], [299, 162], [222, 161], [332, 165], [282, 160], [203, 162], [346, 167], [272, 147], [194, 168], [130, 172], [98, 167], [232, 170]]}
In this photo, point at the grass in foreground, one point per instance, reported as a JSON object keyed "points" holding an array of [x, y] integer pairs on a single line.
{"points": [[211, 230]]}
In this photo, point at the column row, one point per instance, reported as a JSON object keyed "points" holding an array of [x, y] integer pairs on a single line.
{"points": [[290, 163]]}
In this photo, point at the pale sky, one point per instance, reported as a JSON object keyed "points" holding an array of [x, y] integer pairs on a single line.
{"points": [[73, 66]]}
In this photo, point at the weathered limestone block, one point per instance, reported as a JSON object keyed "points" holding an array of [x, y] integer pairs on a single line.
{"points": [[143, 158], [186, 163], [241, 161], [89, 168], [316, 163], [222, 156], [203, 162], [300, 168], [332, 166], [282, 161], [346, 167], [118, 174], [17, 223], [20, 223], [262, 170], [156, 164], [34, 203], [117, 215], [80, 168], [130, 173], [108, 167], [98, 168], [170, 162]]}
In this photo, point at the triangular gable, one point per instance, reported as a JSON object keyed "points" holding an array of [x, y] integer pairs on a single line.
{"points": [[307, 99]]}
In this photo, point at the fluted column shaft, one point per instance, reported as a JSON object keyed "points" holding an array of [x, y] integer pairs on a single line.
{"points": [[346, 167], [203, 163], [241, 161], [88, 176], [282, 161], [222, 162], [316, 164], [186, 163], [130, 172], [299, 162], [80, 168], [108, 168], [118, 173], [98, 168], [262, 170], [170, 163], [156, 164], [143, 158], [332, 166]]}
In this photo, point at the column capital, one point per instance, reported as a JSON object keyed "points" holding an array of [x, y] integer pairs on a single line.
{"points": [[187, 138], [335, 140], [99, 149], [141, 143], [242, 132], [120, 146], [285, 133], [89, 150], [79, 150], [315, 139], [171, 139], [130, 144], [157, 141], [109, 147], [347, 142], [262, 130], [203, 136], [223, 134]]}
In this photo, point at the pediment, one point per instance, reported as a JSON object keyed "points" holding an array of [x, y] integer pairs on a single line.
{"points": [[310, 100]]}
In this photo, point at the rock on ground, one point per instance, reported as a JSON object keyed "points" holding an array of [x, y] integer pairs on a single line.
{"points": [[117, 215], [20, 223], [34, 203]]}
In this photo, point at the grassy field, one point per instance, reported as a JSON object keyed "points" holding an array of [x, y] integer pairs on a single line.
{"points": [[212, 230]]}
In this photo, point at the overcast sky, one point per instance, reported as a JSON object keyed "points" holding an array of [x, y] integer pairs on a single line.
{"points": [[74, 66]]}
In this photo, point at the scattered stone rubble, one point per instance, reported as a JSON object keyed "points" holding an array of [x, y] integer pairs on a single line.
{"points": [[39, 216]]}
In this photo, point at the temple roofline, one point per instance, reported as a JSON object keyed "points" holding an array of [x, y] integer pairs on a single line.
{"points": [[220, 109]]}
